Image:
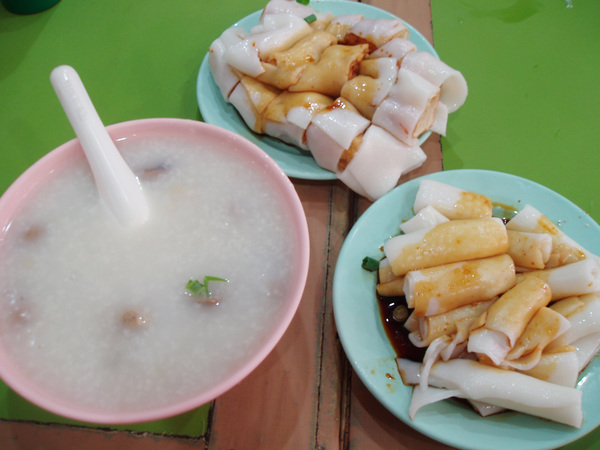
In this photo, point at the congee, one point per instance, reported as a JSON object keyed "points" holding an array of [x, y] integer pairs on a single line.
{"points": [[125, 319]]}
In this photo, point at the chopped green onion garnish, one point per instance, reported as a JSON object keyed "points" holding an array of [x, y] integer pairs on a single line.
{"points": [[303, 2], [310, 19], [370, 264], [197, 288]]}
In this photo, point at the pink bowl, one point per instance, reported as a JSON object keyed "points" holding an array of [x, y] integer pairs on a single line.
{"points": [[257, 160]]}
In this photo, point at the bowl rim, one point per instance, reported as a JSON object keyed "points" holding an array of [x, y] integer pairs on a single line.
{"points": [[17, 194]]}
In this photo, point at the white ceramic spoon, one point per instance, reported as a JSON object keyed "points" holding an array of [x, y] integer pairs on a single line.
{"points": [[119, 188]]}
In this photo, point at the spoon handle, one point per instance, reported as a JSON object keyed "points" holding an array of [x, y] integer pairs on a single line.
{"points": [[118, 186]]}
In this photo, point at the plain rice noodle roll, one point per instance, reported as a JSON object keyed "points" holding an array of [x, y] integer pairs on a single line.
{"points": [[410, 107], [375, 32], [559, 366], [564, 249], [396, 48], [463, 378], [250, 98], [275, 33], [340, 25], [507, 318], [583, 312], [425, 218], [529, 251], [283, 69], [287, 117], [379, 162], [224, 75], [452, 84], [332, 131], [439, 289], [447, 242], [368, 89], [581, 277], [451, 201], [338, 64]]}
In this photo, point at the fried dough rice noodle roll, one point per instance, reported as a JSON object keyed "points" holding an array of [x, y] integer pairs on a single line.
{"points": [[439, 289], [396, 48], [250, 98], [410, 107], [375, 32], [512, 390], [452, 202], [529, 251], [284, 68], [452, 84], [338, 63], [289, 114], [507, 318], [332, 131], [225, 77], [379, 162], [368, 89], [340, 25], [452, 241]]}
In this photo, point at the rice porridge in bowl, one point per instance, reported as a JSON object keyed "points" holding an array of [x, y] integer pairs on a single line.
{"points": [[107, 324]]}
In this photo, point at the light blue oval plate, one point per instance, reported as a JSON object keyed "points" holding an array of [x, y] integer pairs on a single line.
{"points": [[364, 340], [294, 161]]}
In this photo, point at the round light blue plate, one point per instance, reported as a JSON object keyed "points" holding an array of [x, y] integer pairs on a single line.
{"points": [[294, 161], [362, 335]]}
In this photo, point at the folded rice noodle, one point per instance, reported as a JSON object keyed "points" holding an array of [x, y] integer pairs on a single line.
{"points": [[224, 75], [332, 131], [451, 201], [375, 32], [275, 32], [564, 249], [581, 277], [341, 24], [426, 218], [529, 251], [544, 327], [283, 69], [251, 98], [380, 161], [410, 108], [504, 388], [558, 367], [446, 324], [338, 64], [439, 289], [350, 180], [452, 241], [287, 117], [585, 319], [396, 48], [507, 318], [452, 84], [368, 89]]}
